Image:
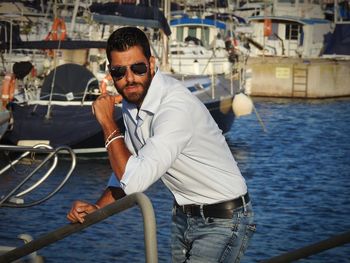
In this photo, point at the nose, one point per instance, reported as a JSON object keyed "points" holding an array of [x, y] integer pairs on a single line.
{"points": [[129, 75]]}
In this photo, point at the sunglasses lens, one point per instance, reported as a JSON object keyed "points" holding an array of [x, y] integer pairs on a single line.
{"points": [[139, 68], [117, 72]]}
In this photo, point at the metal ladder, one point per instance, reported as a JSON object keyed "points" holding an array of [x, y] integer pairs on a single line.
{"points": [[300, 78]]}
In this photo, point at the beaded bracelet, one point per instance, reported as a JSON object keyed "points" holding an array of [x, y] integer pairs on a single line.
{"points": [[111, 140]]}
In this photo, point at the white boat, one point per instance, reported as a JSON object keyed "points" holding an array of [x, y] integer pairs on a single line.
{"points": [[289, 30], [197, 47]]}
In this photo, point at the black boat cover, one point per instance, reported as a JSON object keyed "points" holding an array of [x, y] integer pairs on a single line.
{"points": [[68, 78], [143, 15]]}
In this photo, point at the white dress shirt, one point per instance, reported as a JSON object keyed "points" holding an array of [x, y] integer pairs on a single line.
{"points": [[174, 138]]}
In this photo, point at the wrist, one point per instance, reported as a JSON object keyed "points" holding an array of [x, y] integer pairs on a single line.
{"points": [[110, 130]]}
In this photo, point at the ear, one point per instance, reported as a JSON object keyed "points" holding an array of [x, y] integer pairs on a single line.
{"points": [[152, 65]]}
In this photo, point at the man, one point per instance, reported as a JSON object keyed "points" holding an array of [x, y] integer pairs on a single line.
{"points": [[170, 135]]}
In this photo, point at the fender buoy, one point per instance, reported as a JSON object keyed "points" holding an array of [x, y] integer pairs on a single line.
{"points": [[8, 88], [103, 88], [242, 105]]}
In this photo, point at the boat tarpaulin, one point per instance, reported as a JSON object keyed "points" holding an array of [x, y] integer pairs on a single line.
{"points": [[338, 43], [133, 15]]}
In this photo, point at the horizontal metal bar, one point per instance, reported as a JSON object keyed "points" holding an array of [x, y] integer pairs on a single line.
{"points": [[15, 148], [313, 249], [93, 218]]}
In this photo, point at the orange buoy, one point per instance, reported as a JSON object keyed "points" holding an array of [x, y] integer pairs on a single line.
{"points": [[58, 30], [8, 88], [267, 27]]}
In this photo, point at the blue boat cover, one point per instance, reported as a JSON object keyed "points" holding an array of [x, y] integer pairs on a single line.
{"points": [[338, 43]]}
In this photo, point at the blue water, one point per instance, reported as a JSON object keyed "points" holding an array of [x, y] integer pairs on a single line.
{"points": [[298, 174]]}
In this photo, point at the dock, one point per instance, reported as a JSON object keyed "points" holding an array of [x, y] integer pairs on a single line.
{"points": [[298, 78]]}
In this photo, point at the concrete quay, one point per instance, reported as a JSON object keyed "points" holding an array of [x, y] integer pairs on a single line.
{"points": [[298, 77]]}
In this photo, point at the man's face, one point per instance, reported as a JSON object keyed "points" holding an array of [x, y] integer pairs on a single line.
{"points": [[133, 74]]}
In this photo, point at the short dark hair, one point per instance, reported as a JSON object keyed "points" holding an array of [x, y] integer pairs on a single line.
{"points": [[126, 37]]}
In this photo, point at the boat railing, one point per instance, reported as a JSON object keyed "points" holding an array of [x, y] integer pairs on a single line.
{"points": [[87, 89], [12, 198], [149, 221]]}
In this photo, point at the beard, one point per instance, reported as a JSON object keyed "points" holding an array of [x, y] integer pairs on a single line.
{"points": [[138, 96]]}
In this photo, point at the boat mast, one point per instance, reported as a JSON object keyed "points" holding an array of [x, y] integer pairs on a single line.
{"points": [[74, 17], [165, 40]]}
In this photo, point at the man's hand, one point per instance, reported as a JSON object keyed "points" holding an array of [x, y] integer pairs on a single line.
{"points": [[103, 108], [79, 210]]}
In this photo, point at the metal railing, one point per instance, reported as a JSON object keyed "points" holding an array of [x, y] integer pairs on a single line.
{"points": [[312, 249], [149, 222], [5, 201]]}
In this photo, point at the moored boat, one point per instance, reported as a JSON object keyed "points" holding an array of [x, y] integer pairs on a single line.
{"points": [[62, 115], [295, 54], [58, 110]]}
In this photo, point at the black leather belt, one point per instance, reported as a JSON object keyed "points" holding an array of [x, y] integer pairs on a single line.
{"points": [[219, 210]]}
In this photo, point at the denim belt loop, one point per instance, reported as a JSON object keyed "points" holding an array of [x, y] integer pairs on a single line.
{"points": [[244, 205]]}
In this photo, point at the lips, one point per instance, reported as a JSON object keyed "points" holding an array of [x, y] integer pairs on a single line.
{"points": [[131, 88]]}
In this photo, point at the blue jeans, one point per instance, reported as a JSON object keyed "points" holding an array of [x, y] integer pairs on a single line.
{"points": [[198, 239]]}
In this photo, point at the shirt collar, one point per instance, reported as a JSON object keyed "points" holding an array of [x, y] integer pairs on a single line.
{"points": [[152, 100]]}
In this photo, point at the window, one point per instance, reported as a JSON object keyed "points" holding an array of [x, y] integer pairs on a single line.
{"points": [[179, 34], [292, 31], [205, 36], [192, 31]]}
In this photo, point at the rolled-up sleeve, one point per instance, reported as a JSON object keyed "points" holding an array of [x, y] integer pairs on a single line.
{"points": [[170, 135], [113, 181]]}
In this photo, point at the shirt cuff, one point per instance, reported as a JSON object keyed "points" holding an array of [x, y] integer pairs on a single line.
{"points": [[113, 181]]}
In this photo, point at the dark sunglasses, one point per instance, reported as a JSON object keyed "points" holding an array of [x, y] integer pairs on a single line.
{"points": [[118, 72]]}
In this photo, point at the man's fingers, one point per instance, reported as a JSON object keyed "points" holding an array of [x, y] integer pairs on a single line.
{"points": [[79, 210], [74, 216]]}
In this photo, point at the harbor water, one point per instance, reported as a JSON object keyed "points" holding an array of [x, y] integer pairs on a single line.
{"points": [[297, 171]]}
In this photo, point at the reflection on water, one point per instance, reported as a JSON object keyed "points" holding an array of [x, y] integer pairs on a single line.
{"points": [[297, 173]]}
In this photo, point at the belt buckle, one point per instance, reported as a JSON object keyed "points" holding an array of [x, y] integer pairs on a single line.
{"points": [[189, 210]]}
